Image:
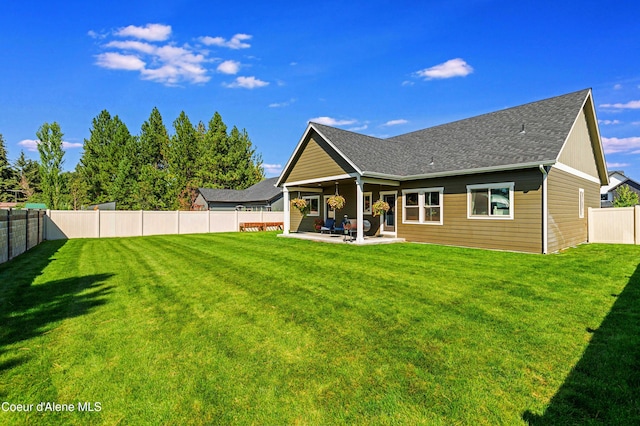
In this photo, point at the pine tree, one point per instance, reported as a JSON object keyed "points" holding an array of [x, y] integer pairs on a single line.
{"points": [[152, 182], [51, 160], [182, 154], [8, 181], [109, 160], [28, 176], [227, 160], [243, 164]]}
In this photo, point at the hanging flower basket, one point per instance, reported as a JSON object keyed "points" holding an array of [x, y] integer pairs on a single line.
{"points": [[301, 205], [336, 202], [380, 206]]}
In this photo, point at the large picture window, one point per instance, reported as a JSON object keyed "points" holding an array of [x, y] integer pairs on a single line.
{"points": [[490, 201], [423, 205]]}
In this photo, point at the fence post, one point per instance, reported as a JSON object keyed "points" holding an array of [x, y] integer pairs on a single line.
{"points": [[9, 235], [26, 232], [590, 225], [636, 224]]}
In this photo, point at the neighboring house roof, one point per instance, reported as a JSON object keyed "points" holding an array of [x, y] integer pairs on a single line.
{"points": [[618, 178], [493, 141], [261, 191]]}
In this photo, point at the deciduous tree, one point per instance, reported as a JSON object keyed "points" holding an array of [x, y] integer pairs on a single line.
{"points": [[625, 197], [51, 160]]}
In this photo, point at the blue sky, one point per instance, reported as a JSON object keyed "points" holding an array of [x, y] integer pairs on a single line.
{"points": [[381, 68]]}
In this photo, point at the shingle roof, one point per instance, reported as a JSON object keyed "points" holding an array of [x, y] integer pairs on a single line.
{"points": [[486, 141], [261, 191]]}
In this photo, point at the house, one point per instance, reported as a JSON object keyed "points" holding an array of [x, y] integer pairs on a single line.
{"points": [[518, 179], [617, 179], [263, 195]]}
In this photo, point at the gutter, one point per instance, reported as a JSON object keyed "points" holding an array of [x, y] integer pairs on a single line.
{"points": [[545, 208], [503, 168]]}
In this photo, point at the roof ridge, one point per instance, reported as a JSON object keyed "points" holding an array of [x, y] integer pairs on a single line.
{"points": [[545, 100]]}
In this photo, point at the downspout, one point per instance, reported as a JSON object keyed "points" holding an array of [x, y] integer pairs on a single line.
{"points": [[545, 213]]}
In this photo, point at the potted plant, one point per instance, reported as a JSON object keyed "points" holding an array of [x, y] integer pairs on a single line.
{"points": [[318, 224], [336, 202], [379, 207], [301, 205]]}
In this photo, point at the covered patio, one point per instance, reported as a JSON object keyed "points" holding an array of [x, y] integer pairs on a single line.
{"points": [[342, 239], [359, 194]]}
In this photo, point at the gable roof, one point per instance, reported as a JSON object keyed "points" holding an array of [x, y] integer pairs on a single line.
{"points": [[493, 141], [624, 181], [261, 191]]}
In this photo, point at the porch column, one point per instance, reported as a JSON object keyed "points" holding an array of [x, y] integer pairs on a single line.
{"points": [[360, 210], [287, 211]]}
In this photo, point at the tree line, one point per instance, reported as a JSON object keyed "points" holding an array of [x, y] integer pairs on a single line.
{"points": [[151, 171]]}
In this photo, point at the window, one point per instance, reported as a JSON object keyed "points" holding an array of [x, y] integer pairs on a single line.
{"points": [[423, 206], [491, 201], [581, 203], [366, 198], [313, 201]]}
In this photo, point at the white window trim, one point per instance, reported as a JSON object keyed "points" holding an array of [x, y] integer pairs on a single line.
{"points": [[488, 186], [581, 203], [364, 197], [312, 197], [421, 205]]}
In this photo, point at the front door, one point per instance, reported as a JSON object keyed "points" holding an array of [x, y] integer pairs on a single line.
{"points": [[389, 218]]}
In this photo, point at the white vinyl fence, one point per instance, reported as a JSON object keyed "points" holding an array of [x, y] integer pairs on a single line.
{"points": [[617, 225], [62, 224]]}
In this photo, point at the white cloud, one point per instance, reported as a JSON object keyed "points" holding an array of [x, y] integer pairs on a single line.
{"points": [[282, 104], [229, 67], [71, 145], [328, 121], [29, 144], [612, 166], [236, 42], [165, 63], [359, 128], [408, 83], [452, 68], [617, 86], [618, 145], [246, 83], [139, 46], [628, 105], [272, 169], [395, 122], [32, 144], [150, 32], [608, 122], [118, 61], [150, 52]]}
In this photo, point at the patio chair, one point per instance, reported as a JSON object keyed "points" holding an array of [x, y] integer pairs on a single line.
{"points": [[328, 226], [339, 229]]}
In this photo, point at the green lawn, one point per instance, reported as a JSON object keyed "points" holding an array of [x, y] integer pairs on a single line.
{"points": [[254, 329]]}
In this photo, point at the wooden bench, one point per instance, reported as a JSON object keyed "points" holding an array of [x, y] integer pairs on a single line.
{"points": [[261, 226]]}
